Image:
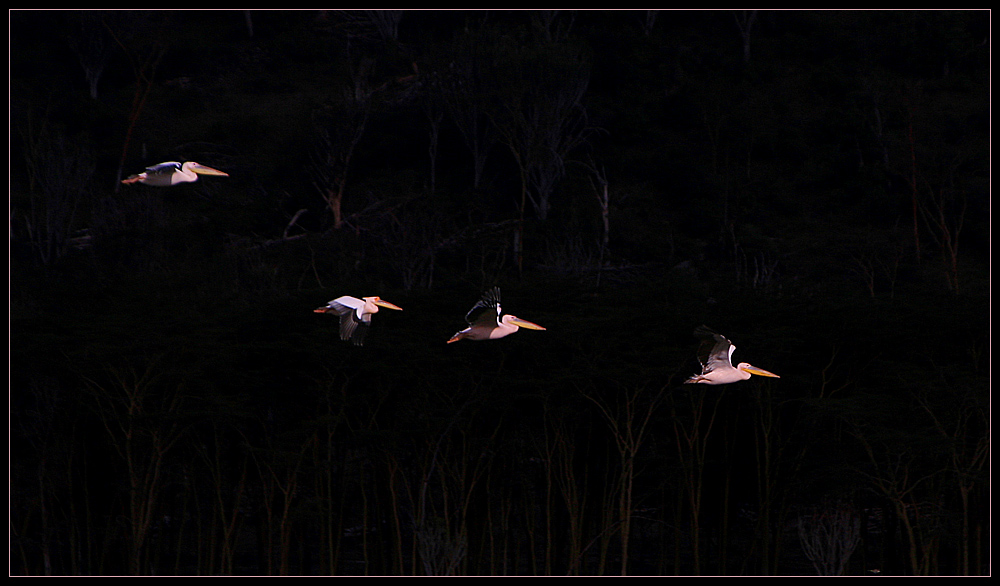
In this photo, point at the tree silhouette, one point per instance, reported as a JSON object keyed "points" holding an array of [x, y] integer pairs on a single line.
{"points": [[540, 115]]}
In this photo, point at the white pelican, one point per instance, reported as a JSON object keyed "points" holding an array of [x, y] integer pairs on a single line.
{"points": [[355, 315], [715, 354], [486, 322], [172, 173]]}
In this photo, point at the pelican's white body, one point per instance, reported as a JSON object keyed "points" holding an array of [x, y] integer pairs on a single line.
{"points": [[173, 173], [487, 323], [717, 364], [355, 315]]}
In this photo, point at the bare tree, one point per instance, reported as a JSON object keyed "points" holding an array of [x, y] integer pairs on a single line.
{"points": [[440, 552], [140, 39], [279, 470], [341, 124], [559, 452], [944, 211], [370, 25], [553, 25], [90, 41], [541, 117], [961, 423], [339, 129], [779, 454], [228, 498], [387, 23], [648, 20], [912, 95], [431, 97], [141, 413], [598, 177], [692, 426], [628, 416], [745, 20], [463, 85], [59, 173], [828, 537], [898, 473], [876, 262]]}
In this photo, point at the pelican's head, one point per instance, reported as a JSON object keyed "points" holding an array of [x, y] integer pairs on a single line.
{"points": [[521, 323], [203, 170], [379, 302], [754, 370]]}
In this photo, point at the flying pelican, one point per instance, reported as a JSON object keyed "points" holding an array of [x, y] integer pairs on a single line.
{"points": [[715, 354], [486, 322], [172, 173], [355, 315]]}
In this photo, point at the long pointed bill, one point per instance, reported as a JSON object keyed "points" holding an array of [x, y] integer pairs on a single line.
{"points": [[525, 324], [387, 305], [203, 170], [760, 371]]}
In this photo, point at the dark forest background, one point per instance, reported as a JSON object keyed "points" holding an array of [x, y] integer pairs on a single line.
{"points": [[814, 185]]}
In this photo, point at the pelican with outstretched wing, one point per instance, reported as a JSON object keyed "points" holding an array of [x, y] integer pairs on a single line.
{"points": [[172, 173], [715, 354], [355, 315], [487, 323]]}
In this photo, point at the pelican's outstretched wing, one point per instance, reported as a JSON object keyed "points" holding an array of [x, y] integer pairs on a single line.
{"points": [[716, 355], [353, 322], [714, 351], [486, 311], [168, 168]]}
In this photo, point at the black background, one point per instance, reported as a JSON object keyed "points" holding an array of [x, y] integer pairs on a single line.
{"points": [[812, 184]]}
